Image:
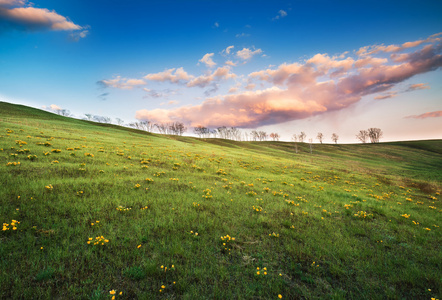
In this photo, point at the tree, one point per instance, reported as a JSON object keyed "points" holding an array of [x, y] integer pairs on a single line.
{"points": [[177, 128], [320, 136], [295, 140], [89, 117], [362, 136], [63, 112], [335, 138], [275, 136], [302, 136], [119, 121], [262, 135], [375, 134]]}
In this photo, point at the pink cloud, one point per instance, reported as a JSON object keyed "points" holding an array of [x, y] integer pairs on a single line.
{"points": [[207, 60], [31, 18], [386, 96], [299, 90], [433, 114], [417, 86], [205, 80], [171, 75]]}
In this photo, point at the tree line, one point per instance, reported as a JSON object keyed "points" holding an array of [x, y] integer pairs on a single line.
{"points": [[372, 135]]}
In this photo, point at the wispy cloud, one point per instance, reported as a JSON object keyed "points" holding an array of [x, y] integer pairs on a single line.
{"points": [[205, 80], [387, 95], [241, 35], [417, 86], [18, 14], [103, 96], [433, 114], [281, 14], [121, 83], [315, 86]]}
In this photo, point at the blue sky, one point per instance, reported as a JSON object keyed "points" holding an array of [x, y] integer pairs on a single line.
{"points": [[278, 66]]}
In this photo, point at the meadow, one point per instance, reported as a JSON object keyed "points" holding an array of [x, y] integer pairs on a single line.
{"points": [[98, 211]]}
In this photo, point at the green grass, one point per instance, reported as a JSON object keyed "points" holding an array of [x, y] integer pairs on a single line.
{"points": [[346, 222]]}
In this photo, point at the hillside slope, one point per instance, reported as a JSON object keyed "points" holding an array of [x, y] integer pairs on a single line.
{"points": [[91, 208]]}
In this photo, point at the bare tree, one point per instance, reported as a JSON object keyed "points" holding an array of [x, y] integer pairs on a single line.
{"points": [[63, 112], [320, 137], [177, 128], [375, 134], [200, 131], [362, 136], [119, 121], [274, 136], [255, 135], [295, 140], [335, 138], [162, 128], [302, 136], [89, 117], [262, 135]]}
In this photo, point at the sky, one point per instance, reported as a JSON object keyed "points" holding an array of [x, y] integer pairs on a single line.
{"points": [[277, 66]]}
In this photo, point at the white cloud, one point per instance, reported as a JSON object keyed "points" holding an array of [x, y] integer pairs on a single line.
{"points": [[171, 75], [246, 53], [281, 14], [207, 60]]}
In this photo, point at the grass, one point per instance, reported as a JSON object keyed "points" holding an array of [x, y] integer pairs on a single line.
{"points": [[185, 218]]}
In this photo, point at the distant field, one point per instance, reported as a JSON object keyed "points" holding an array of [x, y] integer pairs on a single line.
{"points": [[90, 211]]}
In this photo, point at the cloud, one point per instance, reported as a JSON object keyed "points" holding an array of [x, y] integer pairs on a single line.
{"points": [[417, 86], [103, 96], [77, 35], [228, 50], [240, 35], [246, 53], [216, 24], [52, 107], [433, 114], [121, 83], [386, 96], [207, 60], [171, 75], [15, 14], [307, 88], [281, 14], [205, 80], [230, 63]]}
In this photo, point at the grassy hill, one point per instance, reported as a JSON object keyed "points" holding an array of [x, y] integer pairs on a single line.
{"points": [[89, 210]]}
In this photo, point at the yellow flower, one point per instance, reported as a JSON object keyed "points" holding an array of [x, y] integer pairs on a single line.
{"points": [[138, 246], [163, 287], [280, 296], [112, 292]]}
